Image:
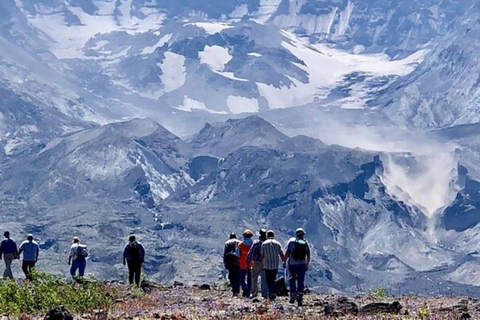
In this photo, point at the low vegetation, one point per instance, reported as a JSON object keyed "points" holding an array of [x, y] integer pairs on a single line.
{"points": [[47, 291], [91, 299]]}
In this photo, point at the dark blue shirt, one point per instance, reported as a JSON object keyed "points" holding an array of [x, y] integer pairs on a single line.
{"points": [[254, 253], [7, 246], [127, 252]]}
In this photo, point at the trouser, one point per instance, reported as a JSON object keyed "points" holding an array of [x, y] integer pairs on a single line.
{"points": [[297, 280], [27, 267], [246, 285], [256, 272], [134, 271], [80, 264], [8, 258], [271, 276], [234, 278]]}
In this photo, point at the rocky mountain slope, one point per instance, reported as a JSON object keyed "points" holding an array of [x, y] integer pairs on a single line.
{"points": [[389, 207], [183, 198]]}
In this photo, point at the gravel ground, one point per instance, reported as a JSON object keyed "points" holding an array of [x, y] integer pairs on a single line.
{"points": [[217, 303]]}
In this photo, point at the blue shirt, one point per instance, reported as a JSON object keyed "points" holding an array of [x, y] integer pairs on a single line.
{"points": [[7, 246], [30, 250]]}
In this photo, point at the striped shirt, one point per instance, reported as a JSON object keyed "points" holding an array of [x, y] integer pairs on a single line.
{"points": [[271, 251]]}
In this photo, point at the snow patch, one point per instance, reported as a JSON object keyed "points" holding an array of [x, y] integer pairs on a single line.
{"points": [[159, 44], [69, 41], [212, 27], [174, 71], [238, 105], [230, 75], [215, 56], [327, 68], [190, 104]]}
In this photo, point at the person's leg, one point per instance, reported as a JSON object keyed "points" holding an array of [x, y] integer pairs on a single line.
{"points": [[8, 265], [73, 267], [25, 268], [236, 280], [249, 283], [263, 281], [131, 270], [30, 267], [230, 277], [82, 263], [271, 275], [302, 269], [257, 268], [292, 282], [138, 273], [243, 284]]}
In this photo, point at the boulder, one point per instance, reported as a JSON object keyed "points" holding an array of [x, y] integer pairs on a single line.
{"points": [[343, 306], [58, 313], [382, 307]]}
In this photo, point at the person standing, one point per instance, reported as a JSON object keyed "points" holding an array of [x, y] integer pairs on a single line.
{"points": [[257, 268], [134, 256], [231, 263], [30, 250], [298, 256], [8, 250], [77, 257], [271, 253], [245, 269]]}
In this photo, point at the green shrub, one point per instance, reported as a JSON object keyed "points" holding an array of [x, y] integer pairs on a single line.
{"points": [[424, 313], [379, 293], [47, 291]]}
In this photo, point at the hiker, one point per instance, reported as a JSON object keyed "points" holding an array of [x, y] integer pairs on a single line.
{"points": [[271, 253], [231, 263], [298, 257], [245, 269], [77, 257], [134, 256], [257, 268], [8, 250], [30, 250]]}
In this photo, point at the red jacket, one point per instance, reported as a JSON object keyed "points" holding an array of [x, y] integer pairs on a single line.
{"points": [[244, 249]]}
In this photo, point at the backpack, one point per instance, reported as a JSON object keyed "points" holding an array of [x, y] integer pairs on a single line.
{"points": [[281, 287], [300, 250], [231, 259], [134, 249], [82, 251]]}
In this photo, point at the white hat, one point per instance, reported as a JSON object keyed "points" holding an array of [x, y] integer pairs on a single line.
{"points": [[300, 230]]}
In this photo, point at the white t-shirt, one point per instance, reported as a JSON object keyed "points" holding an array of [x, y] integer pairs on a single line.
{"points": [[74, 250]]}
